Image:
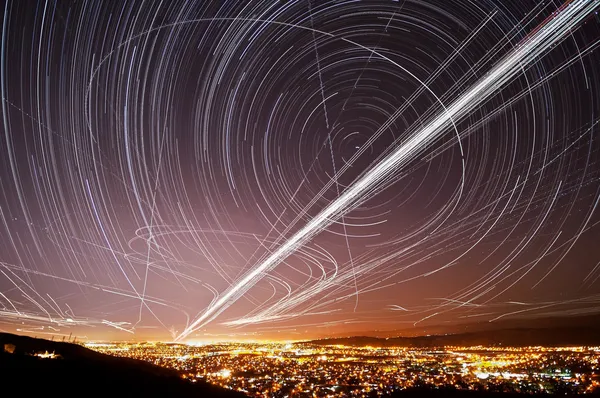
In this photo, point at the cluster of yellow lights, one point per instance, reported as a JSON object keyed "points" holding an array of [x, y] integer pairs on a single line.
{"points": [[338, 371]]}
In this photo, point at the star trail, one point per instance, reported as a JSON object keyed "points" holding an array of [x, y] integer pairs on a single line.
{"points": [[194, 170]]}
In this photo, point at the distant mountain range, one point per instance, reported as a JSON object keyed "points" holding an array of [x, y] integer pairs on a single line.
{"points": [[572, 335], [80, 372], [541, 322]]}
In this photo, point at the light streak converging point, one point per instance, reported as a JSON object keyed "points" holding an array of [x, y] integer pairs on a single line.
{"points": [[542, 38]]}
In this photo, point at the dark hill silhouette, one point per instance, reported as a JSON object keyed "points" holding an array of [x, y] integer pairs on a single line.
{"points": [[541, 322], [519, 337], [81, 372]]}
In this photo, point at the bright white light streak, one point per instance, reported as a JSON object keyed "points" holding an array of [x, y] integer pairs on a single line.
{"points": [[534, 45]]}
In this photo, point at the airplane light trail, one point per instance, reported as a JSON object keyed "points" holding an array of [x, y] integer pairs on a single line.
{"points": [[541, 39]]}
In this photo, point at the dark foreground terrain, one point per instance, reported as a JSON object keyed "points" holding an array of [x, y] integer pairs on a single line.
{"points": [[80, 372]]}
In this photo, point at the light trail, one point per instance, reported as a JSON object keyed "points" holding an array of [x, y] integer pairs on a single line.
{"points": [[535, 44]]}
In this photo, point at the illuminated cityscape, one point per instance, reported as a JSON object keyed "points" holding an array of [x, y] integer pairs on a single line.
{"points": [[311, 370]]}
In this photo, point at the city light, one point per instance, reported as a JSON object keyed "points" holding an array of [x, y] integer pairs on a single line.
{"points": [[312, 370]]}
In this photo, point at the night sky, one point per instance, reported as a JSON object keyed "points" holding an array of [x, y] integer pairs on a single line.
{"points": [[288, 169]]}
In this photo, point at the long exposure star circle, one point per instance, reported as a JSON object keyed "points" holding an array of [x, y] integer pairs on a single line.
{"points": [[265, 169]]}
